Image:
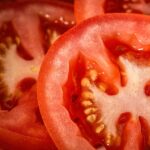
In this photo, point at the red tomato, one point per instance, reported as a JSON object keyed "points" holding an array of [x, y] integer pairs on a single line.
{"points": [[27, 29], [87, 8], [93, 87]]}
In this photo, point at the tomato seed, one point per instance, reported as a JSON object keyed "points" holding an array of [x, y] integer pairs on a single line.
{"points": [[91, 118], [90, 110], [87, 94], [100, 128], [102, 86], [85, 82]]}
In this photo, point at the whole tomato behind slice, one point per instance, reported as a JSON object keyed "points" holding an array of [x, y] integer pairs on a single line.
{"points": [[27, 29], [86, 8], [93, 87]]}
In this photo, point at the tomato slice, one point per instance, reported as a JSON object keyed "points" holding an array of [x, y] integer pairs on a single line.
{"points": [[95, 91], [87, 8], [27, 30]]}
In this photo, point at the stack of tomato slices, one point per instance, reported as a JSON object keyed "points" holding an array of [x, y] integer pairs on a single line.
{"points": [[72, 87]]}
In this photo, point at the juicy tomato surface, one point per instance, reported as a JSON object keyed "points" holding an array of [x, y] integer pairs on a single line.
{"points": [[87, 8], [27, 29], [93, 87]]}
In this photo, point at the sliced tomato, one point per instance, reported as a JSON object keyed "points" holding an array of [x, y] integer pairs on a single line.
{"points": [[27, 29], [93, 87], [87, 8]]}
